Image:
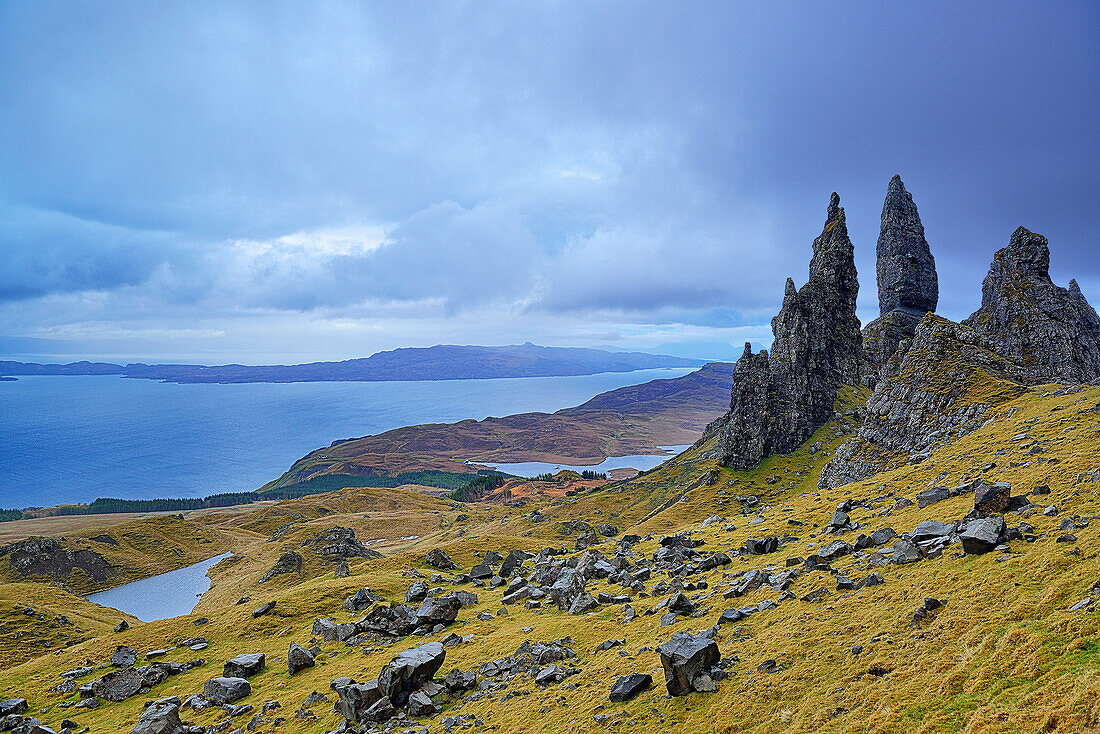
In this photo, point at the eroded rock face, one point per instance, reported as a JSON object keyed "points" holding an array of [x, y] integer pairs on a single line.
{"points": [[932, 395], [1052, 331], [778, 401]]}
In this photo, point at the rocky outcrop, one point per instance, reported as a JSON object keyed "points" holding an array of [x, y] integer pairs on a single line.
{"points": [[908, 287], [941, 389], [47, 557], [778, 401], [1051, 330], [339, 543]]}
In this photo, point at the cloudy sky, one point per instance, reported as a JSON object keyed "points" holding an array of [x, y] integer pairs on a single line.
{"points": [[266, 182]]}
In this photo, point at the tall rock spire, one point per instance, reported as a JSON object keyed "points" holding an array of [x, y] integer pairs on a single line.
{"points": [[906, 269], [778, 402], [907, 284]]}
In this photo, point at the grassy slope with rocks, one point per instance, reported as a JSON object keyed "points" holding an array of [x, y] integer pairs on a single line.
{"points": [[1003, 654]]}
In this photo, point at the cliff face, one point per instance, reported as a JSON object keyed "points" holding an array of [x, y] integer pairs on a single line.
{"points": [[1053, 331], [908, 287], [778, 401], [938, 388], [937, 391]]}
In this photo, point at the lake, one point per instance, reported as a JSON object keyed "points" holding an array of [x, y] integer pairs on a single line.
{"points": [[72, 439], [641, 462], [162, 596]]}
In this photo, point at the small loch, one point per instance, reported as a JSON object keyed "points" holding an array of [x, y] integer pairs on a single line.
{"points": [[165, 595], [641, 462]]}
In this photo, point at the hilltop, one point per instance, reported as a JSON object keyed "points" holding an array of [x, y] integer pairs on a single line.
{"points": [[891, 529]]}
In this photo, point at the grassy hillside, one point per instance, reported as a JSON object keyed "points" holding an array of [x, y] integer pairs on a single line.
{"points": [[1004, 653]]}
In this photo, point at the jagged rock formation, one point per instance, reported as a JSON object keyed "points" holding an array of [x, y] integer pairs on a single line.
{"points": [[907, 284], [940, 389], [778, 401], [1052, 330]]}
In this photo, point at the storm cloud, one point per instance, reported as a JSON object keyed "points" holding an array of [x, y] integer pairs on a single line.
{"points": [[227, 179]]}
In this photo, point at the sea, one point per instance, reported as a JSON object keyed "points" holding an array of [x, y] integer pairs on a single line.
{"points": [[70, 439]]}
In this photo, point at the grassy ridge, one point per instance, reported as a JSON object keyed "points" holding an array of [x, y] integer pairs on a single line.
{"points": [[1003, 655]]}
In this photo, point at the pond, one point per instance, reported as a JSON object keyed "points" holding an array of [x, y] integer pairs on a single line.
{"points": [[641, 462], [162, 596]]}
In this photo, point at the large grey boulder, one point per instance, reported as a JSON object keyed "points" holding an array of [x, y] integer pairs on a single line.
{"points": [[361, 600], [983, 535], [629, 686], [355, 699], [244, 666], [409, 670], [118, 685], [685, 658], [437, 558], [123, 656], [299, 658], [225, 690], [443, 610], [161, 717]]}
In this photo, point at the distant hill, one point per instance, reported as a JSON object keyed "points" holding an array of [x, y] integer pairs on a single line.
{"points": [[636, 419], [441, 362]]}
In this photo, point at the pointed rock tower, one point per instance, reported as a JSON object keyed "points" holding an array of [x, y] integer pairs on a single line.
{"points": [[779, 401], [1053, 331], [907, 284]]}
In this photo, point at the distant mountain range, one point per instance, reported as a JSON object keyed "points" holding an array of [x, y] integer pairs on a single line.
{"points": [[441, 362]]}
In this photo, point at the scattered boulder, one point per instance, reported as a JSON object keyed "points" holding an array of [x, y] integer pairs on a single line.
{"points": [[443, 610], [983, 535], [992, 499], [299, 658], [356, 699], [438, 558], [361, 600], [124, 657], [420, 704], [13, 706], [161, 717], [118, 685], [409, 670], [629, 686], [263, 609], [339, 543], [761, 546], [685, 658], [244, 666], [225, 690]]}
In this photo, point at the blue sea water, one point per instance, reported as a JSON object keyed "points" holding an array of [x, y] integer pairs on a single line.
{"points": [[72, 439], [165, 595]]}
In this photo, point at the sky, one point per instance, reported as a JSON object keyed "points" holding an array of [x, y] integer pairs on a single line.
{"points": [[286, 182]]}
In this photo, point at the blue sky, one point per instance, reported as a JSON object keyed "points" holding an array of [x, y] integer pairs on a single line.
{"points": [[293, 181]]}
